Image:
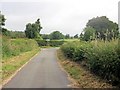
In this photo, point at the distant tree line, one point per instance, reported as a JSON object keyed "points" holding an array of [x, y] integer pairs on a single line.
{"points": [[56, 35], [96, 28]]}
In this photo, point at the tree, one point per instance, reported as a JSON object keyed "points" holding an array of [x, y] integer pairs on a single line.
{"points": [[81, 36], [45, 36], [2, 19], [3, 31], [104, 27], [89, 34], [56, 35], [76, 36], [33, 30], [67, 36]]}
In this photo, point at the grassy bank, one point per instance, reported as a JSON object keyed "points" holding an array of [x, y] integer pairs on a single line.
{"points": [[15, 53], [14, 63], [83, 78], [14, 47]]}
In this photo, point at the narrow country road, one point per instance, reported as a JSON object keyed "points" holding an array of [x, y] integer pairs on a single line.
{"points": [[42, 71]]}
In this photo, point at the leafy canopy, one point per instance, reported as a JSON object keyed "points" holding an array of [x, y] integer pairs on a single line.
{"points": [[33, 30]]}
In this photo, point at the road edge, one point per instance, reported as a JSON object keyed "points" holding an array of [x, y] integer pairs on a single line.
{"points": [[15, 73], [72, 81]]}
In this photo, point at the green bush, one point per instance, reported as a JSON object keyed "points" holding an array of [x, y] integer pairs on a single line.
{"points": [[80, 51], [53, 43], [104, 61], [42, 42], [102, 58], [13, 47], [68, 49], [75, 50]]}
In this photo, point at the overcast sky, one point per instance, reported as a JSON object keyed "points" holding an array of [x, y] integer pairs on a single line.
{"points": [[67, 16]]}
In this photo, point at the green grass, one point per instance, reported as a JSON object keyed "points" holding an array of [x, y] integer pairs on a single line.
{"points": [[14, 63], [15, 53], [14, 47], [69, 40]]}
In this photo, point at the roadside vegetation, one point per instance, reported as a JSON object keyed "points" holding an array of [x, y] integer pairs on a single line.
{"points": [[102, 59], [16, 50], [79, 75], [98, 50], [14, 47], [15, 53], [10, 65]]}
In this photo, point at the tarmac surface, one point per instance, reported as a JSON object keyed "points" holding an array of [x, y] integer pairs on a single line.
{"points": [[42, 71]]}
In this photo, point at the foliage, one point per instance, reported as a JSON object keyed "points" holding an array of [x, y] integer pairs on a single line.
{"points": [[2, 22], [45, 36], [67, 36], [56, 35], [13, 34], [104, 28], [53, 43], [17, 34], [10, 65], [102, 58], [13, 47], [42, 42], [76, 36], [69, 49], [82, 76], [2, 19], [5, 32], [89, 34], [33, 30]]}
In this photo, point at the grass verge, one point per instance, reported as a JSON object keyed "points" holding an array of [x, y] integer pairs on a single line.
{"points": [[12, 64], [83, 77]]}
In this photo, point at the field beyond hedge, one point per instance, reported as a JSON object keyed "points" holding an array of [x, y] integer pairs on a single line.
{"points": [[101, 58]]}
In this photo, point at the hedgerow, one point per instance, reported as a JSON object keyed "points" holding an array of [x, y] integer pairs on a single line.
{"points": [[102, 58], [53, 43]]}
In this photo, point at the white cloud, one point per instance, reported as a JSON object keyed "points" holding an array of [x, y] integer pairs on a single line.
{"points": [[68, 16]]}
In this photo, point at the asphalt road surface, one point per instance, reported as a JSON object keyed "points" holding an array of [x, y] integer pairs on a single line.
{"points": [[42, 71]]}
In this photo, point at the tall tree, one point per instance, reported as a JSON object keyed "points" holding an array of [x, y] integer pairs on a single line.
{"points": [[33, 30], [76, 36], [104, 27], [2, 19], [3, 30]]}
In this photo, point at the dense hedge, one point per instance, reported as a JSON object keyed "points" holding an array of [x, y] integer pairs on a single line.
{"points": [[13, 47], [49, 43], [101, 58]]}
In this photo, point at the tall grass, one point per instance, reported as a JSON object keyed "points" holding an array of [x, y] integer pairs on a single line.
{"points": [[15, 53], [102, 58], [14, 47]]}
